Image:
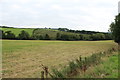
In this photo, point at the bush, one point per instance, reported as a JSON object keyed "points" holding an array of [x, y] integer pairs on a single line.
{"points": [[58, 36], [47, 37], [24, 35], [9, 35]]}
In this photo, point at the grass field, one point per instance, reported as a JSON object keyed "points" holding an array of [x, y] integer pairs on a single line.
{"points": [[16, 31], [108, 68], [52, 33], [23, 58]]}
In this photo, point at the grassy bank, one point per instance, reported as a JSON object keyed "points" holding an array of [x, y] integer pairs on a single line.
{"points": [[108, 68]]}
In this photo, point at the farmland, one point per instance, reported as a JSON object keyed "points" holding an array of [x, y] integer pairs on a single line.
{"points": [[52, 34], [23, 58], [16, 31]]}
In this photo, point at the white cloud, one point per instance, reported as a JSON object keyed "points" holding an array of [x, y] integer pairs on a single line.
{"points": [[16, 6], [57, 7], [76, 14]]}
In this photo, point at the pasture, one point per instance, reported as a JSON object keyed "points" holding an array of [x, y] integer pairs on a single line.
{"points": [[52, 33], [16, 31], [23, 58]]}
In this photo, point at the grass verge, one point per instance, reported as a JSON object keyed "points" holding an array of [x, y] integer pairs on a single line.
{"points": [[108, 68], [100, 65]]}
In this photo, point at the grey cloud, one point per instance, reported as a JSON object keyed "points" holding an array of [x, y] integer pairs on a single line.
{"points": [[75, 14]]}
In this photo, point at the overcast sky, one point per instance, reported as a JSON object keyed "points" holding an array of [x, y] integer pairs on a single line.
{"points": [[94, 15]]}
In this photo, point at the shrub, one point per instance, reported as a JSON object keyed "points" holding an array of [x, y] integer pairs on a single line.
{"points": [[57, 74], [24, 35], [47, 37], [9, 35], [58, 36]]}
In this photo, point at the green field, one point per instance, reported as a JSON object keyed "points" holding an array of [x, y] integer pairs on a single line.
{"points": [[52, 33], [16, 31], [23, 58]]}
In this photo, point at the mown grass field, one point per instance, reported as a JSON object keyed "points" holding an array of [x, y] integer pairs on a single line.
{"points": [[23, 58]]}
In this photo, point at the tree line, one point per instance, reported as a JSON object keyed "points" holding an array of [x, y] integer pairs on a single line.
{"points": [[78, 31], [36, 35]]}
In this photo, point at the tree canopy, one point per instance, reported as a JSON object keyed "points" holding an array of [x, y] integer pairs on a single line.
{"points": [[9, 35], [24, 35], [115, 29]]}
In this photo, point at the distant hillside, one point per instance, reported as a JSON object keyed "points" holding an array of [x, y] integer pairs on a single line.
{"points": [[29, 30], [16, 31], [52, 34]]}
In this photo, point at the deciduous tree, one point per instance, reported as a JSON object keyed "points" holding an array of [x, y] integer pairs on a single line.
{"points": [[115, 29], [24, 35]]}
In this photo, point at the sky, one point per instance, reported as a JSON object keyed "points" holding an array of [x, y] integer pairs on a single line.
{"points": [[119, 7], [93, 15]]}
